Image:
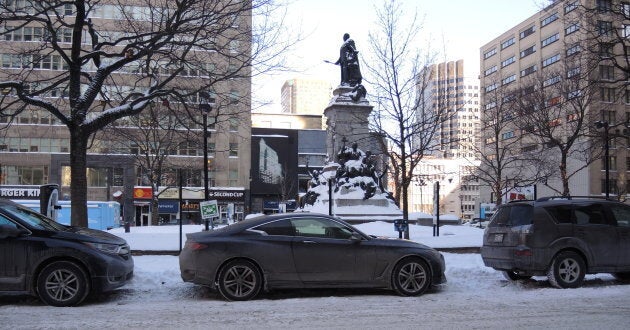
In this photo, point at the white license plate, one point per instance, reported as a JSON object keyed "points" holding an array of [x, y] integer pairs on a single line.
{"points": [[498, 238]]}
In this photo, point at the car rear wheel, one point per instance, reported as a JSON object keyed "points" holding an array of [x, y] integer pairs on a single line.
{"points": [[567, 270], [239, 280], [411, 277], [514, 276], [62, 283]]}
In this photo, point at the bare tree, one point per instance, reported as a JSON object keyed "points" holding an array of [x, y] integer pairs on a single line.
{"points": [[555, 115], [505, 161], [151, 137], [78, 70], [404, 116]]}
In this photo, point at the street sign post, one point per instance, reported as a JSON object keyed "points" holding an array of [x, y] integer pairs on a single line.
{"points": [[209, 210]]}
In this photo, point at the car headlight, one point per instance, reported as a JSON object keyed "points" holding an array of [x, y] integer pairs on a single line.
{"points": [[108, 248]]}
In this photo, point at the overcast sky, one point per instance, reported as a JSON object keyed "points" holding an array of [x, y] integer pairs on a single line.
{"points": [[458, 27]]}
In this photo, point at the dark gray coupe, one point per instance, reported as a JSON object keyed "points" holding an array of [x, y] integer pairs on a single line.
{"points": [[305, 250]]}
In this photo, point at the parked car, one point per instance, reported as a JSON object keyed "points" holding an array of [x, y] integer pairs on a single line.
{"points": [[562, 238], [60, 264], [305, 250]]}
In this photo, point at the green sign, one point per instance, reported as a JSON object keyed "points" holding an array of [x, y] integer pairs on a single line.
{"points": [[209, 209]]}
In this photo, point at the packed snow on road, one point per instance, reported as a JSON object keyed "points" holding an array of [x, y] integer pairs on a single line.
{"points": [[474, 297]]}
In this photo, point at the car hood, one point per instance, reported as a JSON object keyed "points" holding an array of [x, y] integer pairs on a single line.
{"points": [[89, 235], [396, 242]]}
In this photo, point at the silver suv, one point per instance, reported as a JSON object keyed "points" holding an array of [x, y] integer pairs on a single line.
{"points": [[562, 238]]}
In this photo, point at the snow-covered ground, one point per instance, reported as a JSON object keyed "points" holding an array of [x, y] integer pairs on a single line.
{"points": [[164, 238], [475, 297]]}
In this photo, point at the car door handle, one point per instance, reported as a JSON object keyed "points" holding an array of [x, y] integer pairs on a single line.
{"points": [[309, 242]]}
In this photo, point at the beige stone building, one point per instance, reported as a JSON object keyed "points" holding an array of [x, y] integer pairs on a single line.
{"points": [[564, 53], [305, 96], [34, 146], [450, 87]]}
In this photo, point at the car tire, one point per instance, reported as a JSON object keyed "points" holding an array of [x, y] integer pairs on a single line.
{"points": [[513, 276], [567, 270], [623, 277], [411, 277], [239, 280], [63, 283]]}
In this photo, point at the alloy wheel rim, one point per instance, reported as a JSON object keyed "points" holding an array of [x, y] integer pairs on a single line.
{"points": [[569, 270], [240, 281], [412, 277], [62, 285]]}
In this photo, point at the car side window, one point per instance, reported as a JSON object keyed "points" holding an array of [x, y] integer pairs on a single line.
{"points": [[5, 221], [322, 228], [278, 228], [592, 214], [621, 214], [560, 213]]}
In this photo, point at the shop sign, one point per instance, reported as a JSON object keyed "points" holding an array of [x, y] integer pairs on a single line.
{"points": [[142, 192]]}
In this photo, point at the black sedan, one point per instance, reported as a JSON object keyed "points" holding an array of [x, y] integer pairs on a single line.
{"points": [[305, 250], [61, 264]]}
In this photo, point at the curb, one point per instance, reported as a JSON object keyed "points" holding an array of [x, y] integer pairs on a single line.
{"points": [[176, 253]]}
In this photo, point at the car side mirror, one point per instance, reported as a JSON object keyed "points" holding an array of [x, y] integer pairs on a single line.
{"points": [[10, 231], [356, 237]]}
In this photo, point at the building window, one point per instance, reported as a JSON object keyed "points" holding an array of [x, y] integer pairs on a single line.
{"points": [[574, 49], [528, 51], [569, 7], [605, 28], [573, 72], [606, 72], [507, 62], [551, 81], [550, 60], [607, 94], [604, 6], [509, 79], [233, 178], [489, 53], [507, 135], [528, 71], [606, 49], [528, 31], [571, 28], [490, 88], [507, 43], [550, 40], [233, 150], [23, 175], [549, 19], [612, 163], [490, 71]]}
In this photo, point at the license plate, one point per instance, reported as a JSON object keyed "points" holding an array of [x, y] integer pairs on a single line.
{"points": [[498, 238]]}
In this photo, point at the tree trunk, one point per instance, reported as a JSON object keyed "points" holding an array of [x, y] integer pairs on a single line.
{"points": [[78, 178]]}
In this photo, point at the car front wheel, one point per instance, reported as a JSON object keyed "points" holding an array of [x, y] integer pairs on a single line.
{"points": [[62, 283], [567, 270], [239, 280], [411, 277]]}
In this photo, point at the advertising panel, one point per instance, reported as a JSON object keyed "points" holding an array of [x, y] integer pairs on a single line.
{"points": [[274, 161]]}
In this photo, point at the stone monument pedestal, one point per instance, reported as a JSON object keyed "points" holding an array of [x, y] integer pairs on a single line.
{"points": [[347, 118]]}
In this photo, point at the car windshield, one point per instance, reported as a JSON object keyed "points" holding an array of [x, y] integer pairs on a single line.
{"points": [[33, 218], [514, 215]]}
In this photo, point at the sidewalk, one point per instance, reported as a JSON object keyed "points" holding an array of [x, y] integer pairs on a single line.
{"points": [[160, 239]]}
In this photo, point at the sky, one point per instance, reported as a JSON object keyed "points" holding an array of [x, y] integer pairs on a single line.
{"points": [[457, 27]]}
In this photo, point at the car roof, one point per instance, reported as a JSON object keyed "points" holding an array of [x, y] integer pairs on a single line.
{"points": [[553, 201], [253, 222]]}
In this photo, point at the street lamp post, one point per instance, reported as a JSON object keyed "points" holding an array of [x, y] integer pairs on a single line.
{"points": [[206, 103], [604, 125]]}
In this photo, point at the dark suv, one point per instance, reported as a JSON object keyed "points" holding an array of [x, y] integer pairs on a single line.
{"points": [[60, 264], [563, 238]]}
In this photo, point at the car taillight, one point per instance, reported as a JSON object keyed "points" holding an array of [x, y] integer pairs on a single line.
{"points": [[195, 245], [523, 253]]}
